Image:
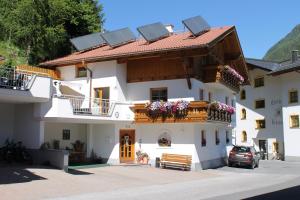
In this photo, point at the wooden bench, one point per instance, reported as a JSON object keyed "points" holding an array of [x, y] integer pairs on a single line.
{"points": [[176, 161]]}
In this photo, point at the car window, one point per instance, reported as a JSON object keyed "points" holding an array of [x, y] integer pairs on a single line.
{"points": [[241, 149]]}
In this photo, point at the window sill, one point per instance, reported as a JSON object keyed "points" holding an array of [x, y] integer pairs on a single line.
{"points": [[294, 127]]}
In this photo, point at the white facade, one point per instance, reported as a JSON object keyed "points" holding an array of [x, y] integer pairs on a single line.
{"points": [[276, 113], [37, 123]]}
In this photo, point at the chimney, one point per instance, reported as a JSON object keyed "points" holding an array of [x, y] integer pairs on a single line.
{"points": [[294, 55], [170, 27]]}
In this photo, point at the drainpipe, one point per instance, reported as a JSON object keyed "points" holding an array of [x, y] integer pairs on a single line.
{"points": [[90, 79]]}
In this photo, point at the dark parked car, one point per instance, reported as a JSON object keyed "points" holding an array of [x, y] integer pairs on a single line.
{"points": [[244, 156]]}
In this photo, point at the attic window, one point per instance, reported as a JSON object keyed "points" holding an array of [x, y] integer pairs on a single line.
{"points": [[81, 71]]}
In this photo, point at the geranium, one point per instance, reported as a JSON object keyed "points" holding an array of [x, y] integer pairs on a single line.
{"points": [[222, 107], [234, 73], [166, 109]]}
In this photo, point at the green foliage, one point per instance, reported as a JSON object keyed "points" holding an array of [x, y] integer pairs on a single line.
{"points": [[282, 50], [13, 55], [42, 28]]}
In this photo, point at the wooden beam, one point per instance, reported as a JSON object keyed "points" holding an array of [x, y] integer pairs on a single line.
{"points": [[232, 56], [187, 68], [168, 55]]}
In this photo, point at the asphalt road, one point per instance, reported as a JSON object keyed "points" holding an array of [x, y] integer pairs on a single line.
{"points": [[272, 180]]}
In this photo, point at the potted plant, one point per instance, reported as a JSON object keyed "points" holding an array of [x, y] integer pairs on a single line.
{"points": [[142, 157]]}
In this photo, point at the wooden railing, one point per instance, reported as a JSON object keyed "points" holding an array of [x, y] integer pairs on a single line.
{"points": [[227, 79], [198, 111], [38, 70]]}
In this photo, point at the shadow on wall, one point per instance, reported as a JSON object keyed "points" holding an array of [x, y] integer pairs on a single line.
{"points": [[11, 175]]}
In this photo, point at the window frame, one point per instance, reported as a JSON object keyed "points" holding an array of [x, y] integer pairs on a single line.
{"points": [[291, 91], [256, 78], [77, 69], [243, 117], [244, 138], [243, 97], [227, 137], [217, 137], [201, 94], [226, 100], [291, 121], [255, 104], [257, 122], [203, 138], [156, 89], [209, 96]]}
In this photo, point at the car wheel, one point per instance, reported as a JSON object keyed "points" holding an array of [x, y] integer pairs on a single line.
{"points": [[229, 164]]}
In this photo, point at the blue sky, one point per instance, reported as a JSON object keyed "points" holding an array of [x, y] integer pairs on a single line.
{"points": [[260, 23]]}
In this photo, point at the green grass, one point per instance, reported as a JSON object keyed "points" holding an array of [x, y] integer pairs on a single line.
{"points": [[13, 53]]}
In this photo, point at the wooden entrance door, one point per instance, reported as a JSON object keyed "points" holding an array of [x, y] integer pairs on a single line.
{"points": [[127, 141], [103, 95]]}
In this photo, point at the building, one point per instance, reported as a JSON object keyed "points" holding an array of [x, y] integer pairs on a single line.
{"points": [[268, 109], [99, 98]]}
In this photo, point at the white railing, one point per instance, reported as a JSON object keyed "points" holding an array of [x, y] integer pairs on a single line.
{"points": [[12, 78], [90, 106]]}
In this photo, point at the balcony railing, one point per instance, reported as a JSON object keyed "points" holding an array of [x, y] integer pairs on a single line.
{"points": [[197, 111], [12, 78], [90, 106], [228, 79], [54, 74]]}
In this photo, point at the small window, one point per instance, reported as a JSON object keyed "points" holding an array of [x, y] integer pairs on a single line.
{"points": [[217, 137], [259, 82], [260, 104], [244, 137], [294, 121], [243, 95], [201, 95], [260, 124], [243, 114], [203, 138], [209, 96], [159, 94], [226, 100], [227, 137], [66, 134], [293, 96], [81, 71], [232, 102]]}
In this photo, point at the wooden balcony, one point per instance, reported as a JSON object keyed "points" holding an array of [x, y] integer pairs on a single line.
{"points": [[39, 71], [227, 79], [198, 111]]}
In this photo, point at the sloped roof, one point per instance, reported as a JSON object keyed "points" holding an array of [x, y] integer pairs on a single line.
{"points": [[286, 67], [140, 47], [263, 64], [274, 68]]}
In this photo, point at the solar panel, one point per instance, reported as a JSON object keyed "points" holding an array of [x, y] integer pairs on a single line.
{"points": [[118, 37], [87, 41], [153, 32], [196, 25]]}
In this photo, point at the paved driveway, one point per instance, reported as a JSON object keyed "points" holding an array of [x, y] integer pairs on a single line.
{"points": [[146, 183]]}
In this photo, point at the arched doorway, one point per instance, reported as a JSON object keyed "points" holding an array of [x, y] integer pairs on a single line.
{"points": [[127, 141]]}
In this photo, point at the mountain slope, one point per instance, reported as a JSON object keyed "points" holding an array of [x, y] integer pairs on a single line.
{"points": [[282, 49], [12, 53]]}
